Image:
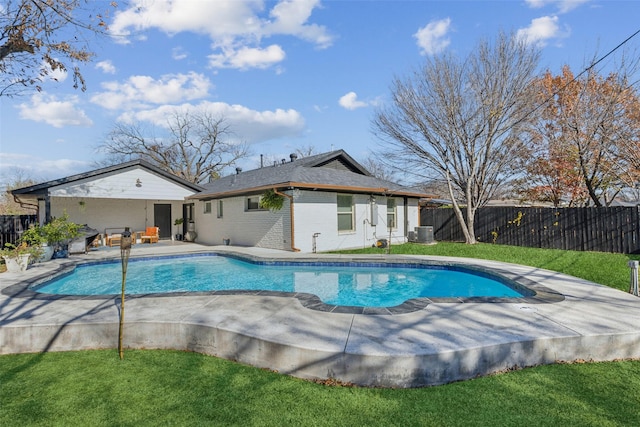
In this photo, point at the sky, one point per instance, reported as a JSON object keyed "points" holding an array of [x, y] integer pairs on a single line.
{"points": [[285, 75]]}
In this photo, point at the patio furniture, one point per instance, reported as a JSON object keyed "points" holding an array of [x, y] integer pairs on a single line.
{"points": [[151, 235], [114, 239]]}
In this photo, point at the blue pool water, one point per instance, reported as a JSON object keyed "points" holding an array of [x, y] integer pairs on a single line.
{"points": [[337, 284]]}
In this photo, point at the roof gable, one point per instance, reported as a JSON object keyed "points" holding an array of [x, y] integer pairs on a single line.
{"points": [[102, 173]]}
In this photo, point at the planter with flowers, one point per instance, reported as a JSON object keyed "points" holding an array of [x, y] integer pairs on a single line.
{"points": [[17, 258]]}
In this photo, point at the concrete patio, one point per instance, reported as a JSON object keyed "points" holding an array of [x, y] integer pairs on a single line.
{"points": [[439, 342]]}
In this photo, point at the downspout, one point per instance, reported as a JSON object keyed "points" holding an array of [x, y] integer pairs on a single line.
{"points": [[405, 201], [293, 246]]}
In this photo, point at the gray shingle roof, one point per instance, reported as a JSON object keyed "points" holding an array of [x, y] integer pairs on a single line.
{"points": [[333, 171]]}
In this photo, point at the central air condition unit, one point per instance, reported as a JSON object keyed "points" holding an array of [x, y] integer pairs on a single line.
{"points": [[424, 234], [412, 237]]}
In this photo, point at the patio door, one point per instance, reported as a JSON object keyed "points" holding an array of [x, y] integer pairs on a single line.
{"points": [[162, 219]]}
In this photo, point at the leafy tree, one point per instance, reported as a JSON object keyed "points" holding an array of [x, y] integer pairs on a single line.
{"points": [[459, 120], [194, 146], [586, 137], [39, 37], [550, 169]]}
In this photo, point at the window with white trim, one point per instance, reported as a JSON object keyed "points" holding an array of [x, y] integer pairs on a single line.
{"points": [[219, 209], [391, 214], [207, 208], [253, 203], [345, 212]]}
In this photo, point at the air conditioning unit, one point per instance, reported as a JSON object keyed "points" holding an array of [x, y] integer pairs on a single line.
{"points": [[424, 234], [412, 236]]}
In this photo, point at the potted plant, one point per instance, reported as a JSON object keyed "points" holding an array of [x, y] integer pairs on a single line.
{"points": [[17, 258], [178, 222], [58, 233], [35, 236]]}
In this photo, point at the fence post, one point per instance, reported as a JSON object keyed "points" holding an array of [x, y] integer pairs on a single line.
{"points": [[633, 287]]}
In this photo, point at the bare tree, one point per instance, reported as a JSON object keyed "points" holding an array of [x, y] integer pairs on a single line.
{"points": [[306, 151], [39, 37], [16, 178], [193, 146], [459, 120], [379, 168]]}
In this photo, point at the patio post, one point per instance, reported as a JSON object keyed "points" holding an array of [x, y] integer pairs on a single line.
{"points": [[125, 249], [633, 287]]}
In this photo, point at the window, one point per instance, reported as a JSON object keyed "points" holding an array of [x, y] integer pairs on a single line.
{"points": [[253, 203], [219, 206], [391, 213], [345, 212], [207, 207]]}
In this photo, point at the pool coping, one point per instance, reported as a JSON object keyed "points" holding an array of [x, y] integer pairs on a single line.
{"points": [[538, 293], [444, 341]]}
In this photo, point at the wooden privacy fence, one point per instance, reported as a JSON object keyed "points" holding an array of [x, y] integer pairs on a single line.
{"points": [[12, 226], [613, 229]]}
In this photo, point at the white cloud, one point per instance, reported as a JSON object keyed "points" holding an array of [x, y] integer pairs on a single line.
{"points": [[540, 30], [178, 53], [432, 37], [291, 17], [234, 27], [57, 75], [246, 57], [247, 125], [13, 165], [57, 113], [563, 6], [140, 91], [350, 101], [106, 67]]}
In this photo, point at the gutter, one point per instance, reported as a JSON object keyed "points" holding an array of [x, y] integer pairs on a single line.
{"points": [[293, 246]]}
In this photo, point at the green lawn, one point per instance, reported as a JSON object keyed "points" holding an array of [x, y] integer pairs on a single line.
{"points": [[599, 267], [95, 388]]}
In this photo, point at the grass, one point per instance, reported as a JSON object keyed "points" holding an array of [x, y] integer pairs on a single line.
{"points": [[179, 388], [605, 268]]}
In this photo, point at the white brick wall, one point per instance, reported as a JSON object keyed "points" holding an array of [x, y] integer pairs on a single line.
{"points": [[245, 228], [314, 212]]}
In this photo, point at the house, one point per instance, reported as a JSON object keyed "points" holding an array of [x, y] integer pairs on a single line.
{"points": [[330, 202], [134, 194]]}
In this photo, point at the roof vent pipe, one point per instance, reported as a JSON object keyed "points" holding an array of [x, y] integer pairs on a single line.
{"points": [[293, 157], [238, 170]]}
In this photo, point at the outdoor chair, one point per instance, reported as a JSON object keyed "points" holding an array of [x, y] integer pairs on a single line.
{"points": [[150, 235], [114, 239]]}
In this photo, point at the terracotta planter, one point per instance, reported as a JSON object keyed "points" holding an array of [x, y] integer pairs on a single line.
{"points": [[17, 263]]}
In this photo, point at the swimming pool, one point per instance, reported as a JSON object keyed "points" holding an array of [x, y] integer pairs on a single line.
{"points": [[341, 284]]}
